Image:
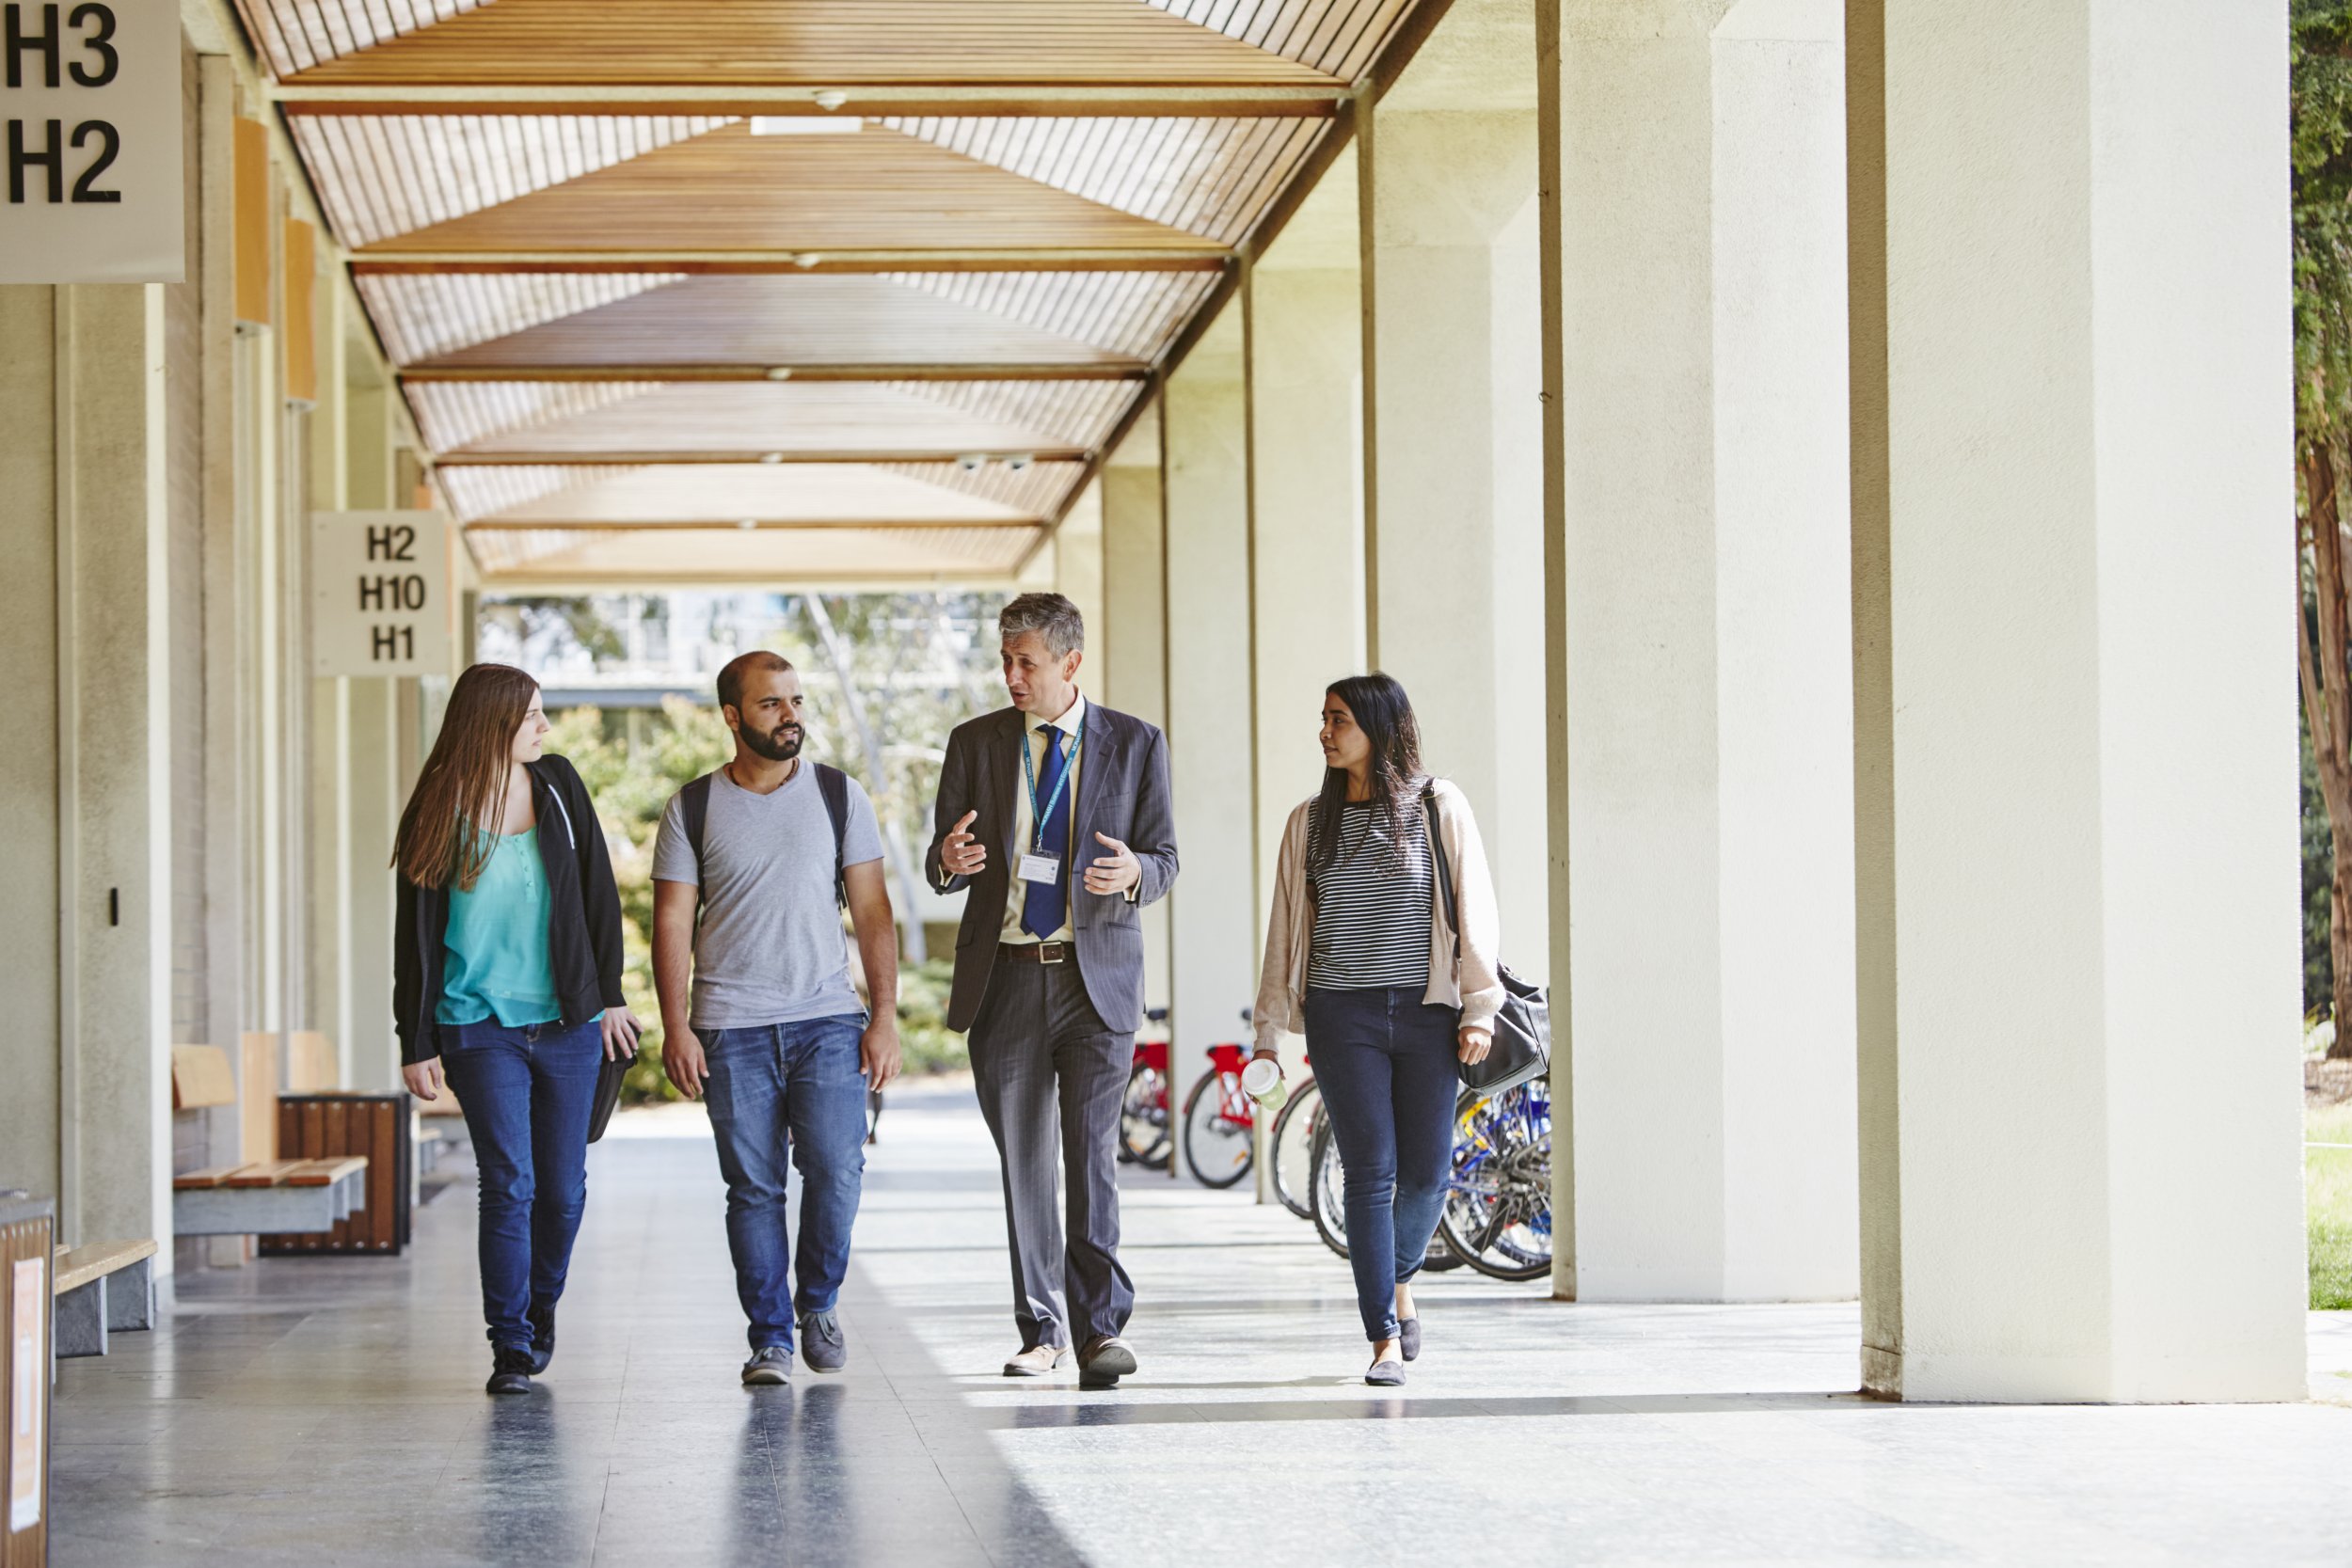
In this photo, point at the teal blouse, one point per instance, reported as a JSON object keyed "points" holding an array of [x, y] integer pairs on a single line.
{"points": [[496, 942]]}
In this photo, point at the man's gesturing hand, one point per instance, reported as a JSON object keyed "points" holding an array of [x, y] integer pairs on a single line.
{"points": [[963, 855], [1115, 872]]}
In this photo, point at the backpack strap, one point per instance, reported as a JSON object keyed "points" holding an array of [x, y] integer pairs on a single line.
{"points": [[694, 803], [834, 784]]}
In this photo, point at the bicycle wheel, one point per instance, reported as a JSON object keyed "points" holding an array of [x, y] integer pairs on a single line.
{"points": [[1143, 1119], [1221, 1135], [1497, 1207], [1326, 1190], [1291, 1148]]}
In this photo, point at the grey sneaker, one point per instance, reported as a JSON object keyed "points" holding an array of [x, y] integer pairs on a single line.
{"points": [[820, 1342], [768, 1366]]}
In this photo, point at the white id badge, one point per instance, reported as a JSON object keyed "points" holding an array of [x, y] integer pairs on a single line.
{"points": [[1040, 868]]}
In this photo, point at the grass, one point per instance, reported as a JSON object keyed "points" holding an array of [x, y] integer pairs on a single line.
{"points": [[2327, 1205]]}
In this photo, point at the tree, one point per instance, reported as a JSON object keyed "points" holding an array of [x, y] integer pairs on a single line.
{"points": [[2320, 46]]}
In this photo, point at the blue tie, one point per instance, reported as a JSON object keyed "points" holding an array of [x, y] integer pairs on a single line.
{"points": [[1043, 908]]}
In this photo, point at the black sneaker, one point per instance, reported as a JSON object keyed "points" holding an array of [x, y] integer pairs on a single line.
{"points": [[820, 1342], [770, 1365], [542, 1337], [509, 1372]]}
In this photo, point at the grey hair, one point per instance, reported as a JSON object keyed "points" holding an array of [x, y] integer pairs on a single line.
{"points": [[1051, 616]]}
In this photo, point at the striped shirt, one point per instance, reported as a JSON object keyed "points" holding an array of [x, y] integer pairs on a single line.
{"points": [[1372, 907]]}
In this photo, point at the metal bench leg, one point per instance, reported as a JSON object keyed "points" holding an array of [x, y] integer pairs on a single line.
{"points": [[81, 1320], [131, 1297]]}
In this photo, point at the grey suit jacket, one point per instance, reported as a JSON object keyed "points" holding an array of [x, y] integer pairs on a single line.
{"points": [[1123, 792]]}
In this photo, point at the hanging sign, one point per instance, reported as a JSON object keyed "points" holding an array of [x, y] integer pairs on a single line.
{"points": [[379, 594], [89, 142]]}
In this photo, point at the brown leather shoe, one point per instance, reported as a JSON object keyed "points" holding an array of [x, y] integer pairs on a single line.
{"points": [[1037, 1361], [1105, 1360]]}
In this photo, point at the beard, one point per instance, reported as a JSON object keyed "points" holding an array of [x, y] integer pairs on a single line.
{"points": [[780, 746]]}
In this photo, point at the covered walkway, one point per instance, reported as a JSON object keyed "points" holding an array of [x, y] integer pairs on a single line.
{"points": [[330, 1411]]}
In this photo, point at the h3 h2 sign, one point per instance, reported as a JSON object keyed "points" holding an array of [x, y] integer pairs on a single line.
{"points": [[90, 154], [379, 594]]}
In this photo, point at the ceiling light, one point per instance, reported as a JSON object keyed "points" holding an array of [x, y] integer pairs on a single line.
{"points": [[805, 125], [748, 523], [1019, 460], [806, 259], [772, 457], [779, 372], [970, 461], [830, 99]]}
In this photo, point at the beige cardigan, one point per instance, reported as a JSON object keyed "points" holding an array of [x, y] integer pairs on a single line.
{"points": [[1473, 986]]}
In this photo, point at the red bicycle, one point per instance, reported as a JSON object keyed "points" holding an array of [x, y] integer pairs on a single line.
{"points": [[1143, 1113], [1220, 1119]]}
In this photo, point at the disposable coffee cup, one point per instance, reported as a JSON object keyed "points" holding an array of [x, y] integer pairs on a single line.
{"points": [[1261, 1081]]}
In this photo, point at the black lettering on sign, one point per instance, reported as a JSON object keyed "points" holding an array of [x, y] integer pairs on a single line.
{"points": [[110, 144], [395, 542], [391, 642], [393, 593], [97, 45], [15, 42], [22, 158]]}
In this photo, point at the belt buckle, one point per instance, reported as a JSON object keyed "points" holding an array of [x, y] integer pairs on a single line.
{"points": [[1050, 952]]}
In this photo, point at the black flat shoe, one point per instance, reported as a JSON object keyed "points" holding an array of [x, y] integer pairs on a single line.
{"points": [[509, 1372], [543, 1338], [1408, 1336], [1386, 1375]]}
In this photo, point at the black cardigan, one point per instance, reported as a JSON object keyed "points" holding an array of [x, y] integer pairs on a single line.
{"points": [[583, 918]]}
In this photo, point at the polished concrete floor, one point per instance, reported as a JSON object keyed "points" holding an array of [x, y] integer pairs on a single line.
{"points": [[321, 1412]]}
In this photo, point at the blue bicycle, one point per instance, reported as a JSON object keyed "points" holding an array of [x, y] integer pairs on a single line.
{"points": [[1497, 1206]]}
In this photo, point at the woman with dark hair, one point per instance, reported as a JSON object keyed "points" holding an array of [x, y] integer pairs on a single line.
{"points": [[506, 966], [1360, 957]]}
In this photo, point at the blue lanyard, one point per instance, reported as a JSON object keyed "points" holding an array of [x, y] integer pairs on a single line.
{"points": [[1028, 769]]}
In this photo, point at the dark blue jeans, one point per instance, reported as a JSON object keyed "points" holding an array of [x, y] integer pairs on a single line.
{"points": [[527, 1093], [796, 1092], [1385, 1062]]}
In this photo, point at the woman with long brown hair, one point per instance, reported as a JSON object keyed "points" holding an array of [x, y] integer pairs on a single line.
{"points": [[507, 988]]}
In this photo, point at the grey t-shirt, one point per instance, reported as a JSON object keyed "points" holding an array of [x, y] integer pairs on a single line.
{"points": [[770, 947]]}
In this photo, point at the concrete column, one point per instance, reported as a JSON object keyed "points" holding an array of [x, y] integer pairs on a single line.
{"points": [[1305, 411], [1455, 470], [1078, 554], [1205, 435], [2075, 752], [1709, 724], [1128, 652]]}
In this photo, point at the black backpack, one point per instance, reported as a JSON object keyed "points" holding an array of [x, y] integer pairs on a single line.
{"points": [[833, 784]]}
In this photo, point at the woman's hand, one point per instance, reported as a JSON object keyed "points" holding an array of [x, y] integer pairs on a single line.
{"points": [[1476, 1042], [620, 1030], [424, 1078]]}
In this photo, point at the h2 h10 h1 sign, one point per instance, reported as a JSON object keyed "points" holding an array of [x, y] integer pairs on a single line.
{"points": [[90, 100], [379, 594]]}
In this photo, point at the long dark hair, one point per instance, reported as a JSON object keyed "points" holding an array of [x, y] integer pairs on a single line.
{"points": [[463, 784], [1385, 714]]}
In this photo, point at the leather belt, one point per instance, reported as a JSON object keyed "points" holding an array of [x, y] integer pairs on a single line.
{"points": [[1037, 952]]}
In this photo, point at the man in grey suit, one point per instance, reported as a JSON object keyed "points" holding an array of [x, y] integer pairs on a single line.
{"points": [[1049, 967]]}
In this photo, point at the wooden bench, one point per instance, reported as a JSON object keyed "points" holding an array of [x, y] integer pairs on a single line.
{"points": [[269, 1198], [101, 1288]]}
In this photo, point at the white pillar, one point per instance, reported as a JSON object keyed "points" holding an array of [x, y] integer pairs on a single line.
{"points": [[1129, 649], [1078, 554], [1455, 482], [1204, 434], [2076, 732], [1703, 483]]}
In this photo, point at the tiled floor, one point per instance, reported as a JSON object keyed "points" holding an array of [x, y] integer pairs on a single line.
{"points": [[328, 1412]]}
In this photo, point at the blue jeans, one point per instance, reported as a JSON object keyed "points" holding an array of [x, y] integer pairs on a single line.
{"points": [[792, 1090], [1385, 1062], [527, 1093]]}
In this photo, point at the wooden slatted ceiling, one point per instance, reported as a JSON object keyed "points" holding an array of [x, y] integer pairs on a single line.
{"points": [[294, 35], [811, 43], [804, 493], [1210, 176], [728, 191], [580, 420], [753, 323], [1337, 37], [420, 316], [385, 175], [624, 557]]}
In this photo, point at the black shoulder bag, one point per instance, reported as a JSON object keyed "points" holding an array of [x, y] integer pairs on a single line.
{"points": [[1522, 1029]]}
